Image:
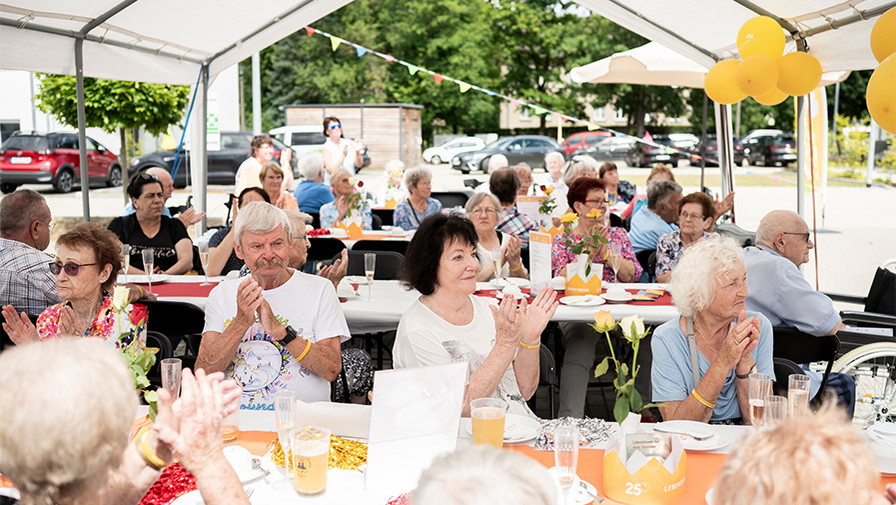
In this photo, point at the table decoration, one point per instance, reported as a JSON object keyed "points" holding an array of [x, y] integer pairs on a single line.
{"points": [[131, 320]]}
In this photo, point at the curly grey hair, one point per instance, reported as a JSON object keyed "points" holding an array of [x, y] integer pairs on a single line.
{"points": [[578, 164], [700, 271], [311, 166], [413, 176]]}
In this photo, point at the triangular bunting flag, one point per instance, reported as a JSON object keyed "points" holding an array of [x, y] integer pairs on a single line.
{"points": [[490, 93], [412, 69], [514, 103], [647, 137], [389, 57], [464, 87], [539, 110], [565, 118], [592, 127], [310, 31], [438, 78], [360, 50], [334, 42]]}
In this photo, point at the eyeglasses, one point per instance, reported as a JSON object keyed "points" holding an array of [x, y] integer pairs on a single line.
{"points": [[301, 237], [604, 201], [335, 125], [696, 217], [71, 269], [481, 212], [805, 236]]}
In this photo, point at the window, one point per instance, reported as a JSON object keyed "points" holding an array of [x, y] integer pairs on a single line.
{"points": [[307, 138], [620, 115], [6, 129], [92, 145], [516, 145], [67, 142], [600, 114], [526, 114]]}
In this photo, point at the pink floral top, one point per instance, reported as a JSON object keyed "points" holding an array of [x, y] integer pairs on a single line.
{"points": [[562, 256], [106, 325]]}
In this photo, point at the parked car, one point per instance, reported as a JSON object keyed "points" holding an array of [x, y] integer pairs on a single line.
{"points": [[583, 140], [777, 150], [646, 155], [447, 150], [609, 149], [222, 164], [302, 139], [762, 132], [712, 153], [530, 149], [54, 158]]}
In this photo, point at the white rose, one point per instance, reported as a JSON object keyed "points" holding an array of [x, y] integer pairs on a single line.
{"points": [[632, 327]]}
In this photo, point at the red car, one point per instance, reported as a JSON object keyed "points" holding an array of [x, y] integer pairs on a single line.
{"points": [[53, 158], [582, 140]]}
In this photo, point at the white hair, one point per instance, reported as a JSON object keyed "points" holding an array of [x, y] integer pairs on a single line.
{"points": [[484, 475], [260, 218], [553, 154], [295, 219], [311, 166], [474, 201], [66, 408], [699, 273], [396, 166], [413, 176], [577, 165], [497, 161]]}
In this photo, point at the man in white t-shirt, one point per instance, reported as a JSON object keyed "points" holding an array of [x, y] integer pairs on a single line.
{"points": [[277, 328]]}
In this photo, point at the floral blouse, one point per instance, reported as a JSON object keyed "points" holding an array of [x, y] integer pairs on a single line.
{"points": [[407, 218], [562, 256], [106, 325], [669, 249]]}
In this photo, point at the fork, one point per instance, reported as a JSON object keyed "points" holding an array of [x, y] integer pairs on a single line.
{"points": [[250, 492], [682, 432], [588, 492]]}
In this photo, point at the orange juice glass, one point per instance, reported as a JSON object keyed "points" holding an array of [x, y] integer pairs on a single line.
{"points": [[488, 416]]}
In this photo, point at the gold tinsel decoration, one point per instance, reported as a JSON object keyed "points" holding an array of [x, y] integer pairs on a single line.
{"points": [[344, 453]]}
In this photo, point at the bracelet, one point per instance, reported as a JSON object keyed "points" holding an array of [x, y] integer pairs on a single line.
{"points": [[517, 269], [141, 291], [701, 400], [606, 255], [305, 352], [149, 456], [530, 346]]}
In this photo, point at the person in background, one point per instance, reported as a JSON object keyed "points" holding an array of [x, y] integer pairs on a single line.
{"points": [[660, 172], [695, 213], [497, 162], [524, 171], [504, 185], [271, 177], [338, 152], [617, 191], [483, 210], [261, 151], [576, 168], [553, 163], [312, 193], [419, 205], [221, 257], [52, 390], [338, 210], [188, 217], [708, 287], [660, 216], [394, 192]]}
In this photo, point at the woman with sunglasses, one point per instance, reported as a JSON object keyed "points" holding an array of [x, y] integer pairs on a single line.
{"points": [[147, 228], [339, 152], [87, 262]]}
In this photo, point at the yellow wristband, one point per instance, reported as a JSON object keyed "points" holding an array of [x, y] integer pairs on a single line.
{"points": [[149, 456], [701, 400], [530, 346], [517, 269], [305, 352], [606, 255]]}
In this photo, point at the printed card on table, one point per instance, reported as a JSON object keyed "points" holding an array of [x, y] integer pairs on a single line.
{"points": [[416, 415], [539, 260], [528, 205]]}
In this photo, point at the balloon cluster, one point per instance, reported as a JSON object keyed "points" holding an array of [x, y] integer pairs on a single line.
{"points": [[764, 73], [880, 95]]}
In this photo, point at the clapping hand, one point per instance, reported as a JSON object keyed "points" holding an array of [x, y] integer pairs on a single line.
{"points": [[190, 216], [535, 316], [18, 326], [337, 271], [742, 338], [512, 251], [248, 299], [67, 325], [506, 325]]}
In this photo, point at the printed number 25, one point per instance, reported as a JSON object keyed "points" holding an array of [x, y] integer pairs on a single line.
{"points": [[633, 489]]}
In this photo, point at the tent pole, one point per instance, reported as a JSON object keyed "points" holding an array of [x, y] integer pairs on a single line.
{"points": [[802, 118], [202, 148], [82, 127], [873, 134], [703, 143], [725, 143], [256, 94]]}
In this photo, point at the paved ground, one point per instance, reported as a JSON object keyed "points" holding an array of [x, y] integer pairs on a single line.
{"points": [[857, 234]]}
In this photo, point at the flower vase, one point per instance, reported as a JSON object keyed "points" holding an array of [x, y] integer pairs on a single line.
{"points": [[578, 283], [353, 225]]}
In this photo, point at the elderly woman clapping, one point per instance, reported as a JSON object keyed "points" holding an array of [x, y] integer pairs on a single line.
{"points": [[702, 360], [419, 205], [483, 210]]}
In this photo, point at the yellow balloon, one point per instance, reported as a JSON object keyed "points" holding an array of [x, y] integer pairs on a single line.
{"points": [[760, 35], [773, 97], [756, 75], [883, 35], [719, 83], [880, 95], [798, 73]]}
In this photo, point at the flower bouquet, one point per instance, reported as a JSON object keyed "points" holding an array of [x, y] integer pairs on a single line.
{"points": [[354, 200], [583, 276], [131, 321]]}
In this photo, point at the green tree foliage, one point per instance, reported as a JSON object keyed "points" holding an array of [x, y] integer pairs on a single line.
{"points": [[753, 114]]}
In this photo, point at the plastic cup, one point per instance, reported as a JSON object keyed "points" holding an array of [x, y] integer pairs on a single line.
{"points": [[310, 447], [488, 416]]}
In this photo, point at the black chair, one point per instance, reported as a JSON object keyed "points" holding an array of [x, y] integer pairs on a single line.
{"points": [[803, 348], [388, 263], [616, 220], [315, 219], [784, 368], [324, 248], [547, 377], [175, 320], [385, 215], [452, 198], [647, 259], [399, 246], [161, 342]]}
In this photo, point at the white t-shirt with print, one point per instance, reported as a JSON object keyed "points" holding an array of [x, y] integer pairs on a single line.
{"points": [[425, 339], [309, 305]]}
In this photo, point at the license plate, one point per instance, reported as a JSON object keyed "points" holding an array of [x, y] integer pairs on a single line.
{"points": [[20, 160], [662, 157], [788, 157]]}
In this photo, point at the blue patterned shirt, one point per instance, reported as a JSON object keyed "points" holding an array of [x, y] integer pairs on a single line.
{"points": [[328, 215], [406, 218]]}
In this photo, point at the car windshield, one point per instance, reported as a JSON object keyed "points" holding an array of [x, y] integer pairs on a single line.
{"points": [[500, 143], [307, 138], [784, 138], [25, 143]]}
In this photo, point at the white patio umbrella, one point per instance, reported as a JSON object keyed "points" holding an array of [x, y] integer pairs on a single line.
{"points": [[651, 64]]}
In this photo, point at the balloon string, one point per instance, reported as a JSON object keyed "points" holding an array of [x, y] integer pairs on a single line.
{"points": [[812, 182]]}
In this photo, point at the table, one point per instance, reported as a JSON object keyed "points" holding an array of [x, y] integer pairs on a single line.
{"points": [[368, 235]]}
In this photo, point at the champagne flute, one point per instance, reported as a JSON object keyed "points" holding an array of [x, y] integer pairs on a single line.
{"points": [[202, 245], [760, 388], [615, 258], [369, 269], [285, 411], [496, 261], [148, 264], [797, 395], [126, 260], [566, 457]]}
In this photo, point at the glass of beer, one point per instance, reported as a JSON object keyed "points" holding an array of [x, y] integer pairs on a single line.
{"points": [[488, 420], [760, 388], [310, 447], [230, 426], [797, 395]]}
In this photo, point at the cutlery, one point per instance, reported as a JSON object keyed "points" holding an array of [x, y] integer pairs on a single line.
{"points": [[683, 432], [591, 495]]}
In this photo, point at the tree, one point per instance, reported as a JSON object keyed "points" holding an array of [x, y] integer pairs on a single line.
{"points": [[753, 114], [112, 105]]}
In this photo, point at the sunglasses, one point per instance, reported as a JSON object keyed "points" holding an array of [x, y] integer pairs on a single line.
{"points": [[71, 269], [335, 125]]}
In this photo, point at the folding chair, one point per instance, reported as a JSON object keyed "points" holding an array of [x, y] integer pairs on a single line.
{"points": [[803, 348], [324, 248], [385, 215], [388, 264], [547, 377], [398, 246], [451, 199], [161, 342], [176, 319]]}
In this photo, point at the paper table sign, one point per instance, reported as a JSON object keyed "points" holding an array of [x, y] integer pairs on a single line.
{"points": [[342, 419], [539, 260], [416, 415], [528, 205]]}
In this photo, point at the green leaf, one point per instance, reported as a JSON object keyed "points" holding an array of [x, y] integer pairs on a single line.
{"points": [[621, 409], [636, 402], [602, 367], [624, 368]]}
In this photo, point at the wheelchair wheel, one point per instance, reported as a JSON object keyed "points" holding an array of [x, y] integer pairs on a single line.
{"points": [[873, 368]]}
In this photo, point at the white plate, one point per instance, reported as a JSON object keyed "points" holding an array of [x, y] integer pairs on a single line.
{"points": [[516, 281], [710, 493], [355, 279], [517, 428], [886, 431], [717, 440], [156, 278], [618, 299], [337, 233], [577, 495], [583, 301]]}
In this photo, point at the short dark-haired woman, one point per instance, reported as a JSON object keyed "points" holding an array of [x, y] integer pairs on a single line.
{"points": [[339, 152], [449, 324]]}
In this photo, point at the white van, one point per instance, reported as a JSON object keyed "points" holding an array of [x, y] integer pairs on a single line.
{"points": [[303, 139]]}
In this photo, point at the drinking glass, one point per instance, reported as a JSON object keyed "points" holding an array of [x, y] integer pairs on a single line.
{"points": [[310, 447], [171, 368], [148, 264], [230, 427], [202, 245], [369, 269], [615, 258], [760, 388], [488, 421], [285, 410], [566, 457], [496, 261], [125, 260], [775, 410], [797, 395]]}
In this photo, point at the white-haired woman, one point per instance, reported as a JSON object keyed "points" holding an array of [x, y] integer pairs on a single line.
{"points": [[312, 193], [483, 209], [702, 360], [394, 192], [419, 205], [334, 212]]}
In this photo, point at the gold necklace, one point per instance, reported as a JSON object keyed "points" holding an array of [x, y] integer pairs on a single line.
{"points": [[705, 342]]}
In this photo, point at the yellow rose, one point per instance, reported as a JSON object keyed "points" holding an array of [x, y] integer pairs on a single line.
{"points": [[548, 190], [594, 214], [603, 321], [569, 217]]}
